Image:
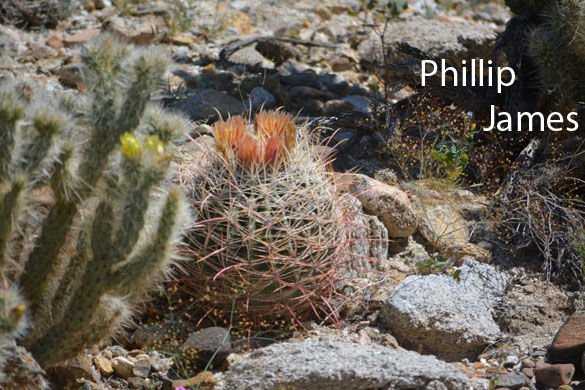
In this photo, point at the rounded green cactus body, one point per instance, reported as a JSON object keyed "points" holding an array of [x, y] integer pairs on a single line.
{"points": [[268, 240], [110, 224]]}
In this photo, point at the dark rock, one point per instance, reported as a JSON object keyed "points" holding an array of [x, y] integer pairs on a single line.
{"points": [[333, 107], [70, 76], [554, 375], [277, 51], [307, 78], [302, 93], [206, 105], [259, 97], [569, 343], [334, 83], [202, 345], [248, 83]]}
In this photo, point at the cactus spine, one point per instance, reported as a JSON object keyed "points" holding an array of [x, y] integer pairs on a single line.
{"points": [[111, 223]]}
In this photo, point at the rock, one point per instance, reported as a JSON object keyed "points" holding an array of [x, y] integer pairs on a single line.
{"points": [[73, 371], [250, 57], [138, 383], [103, 365], [369, 239], [141, 368], [388, 203], [512, 381], [449, 41], [511, 361], [117, 350], [341, 64], [360, 103], [203, 105], [19, 370], [334, 83], [475, 252], [442, 227], [81, 37], [202, 345], [303, 93], [333, 107], [439, 315], [70, 76], [203, 380], [554, 375], [136, 30], [528, 371], [122, 367], [308, 78], [259, 97], [56, 41], [528, 363], [340, 366], [569, 343], [277, 51]]}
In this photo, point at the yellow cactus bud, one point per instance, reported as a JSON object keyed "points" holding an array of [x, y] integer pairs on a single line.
{"points": [[154, 145], [131, 146]]}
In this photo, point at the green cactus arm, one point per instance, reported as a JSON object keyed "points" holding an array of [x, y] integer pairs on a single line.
{"points": [[10, 204], [147, 72], [139, 181], [44, 257], [11, 111], [155, 255], [48, 126]]}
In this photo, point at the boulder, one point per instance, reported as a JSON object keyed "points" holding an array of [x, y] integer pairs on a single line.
{"points": [[442, 39], [440, 315], [340, 366], [391, 205], [568, 345]]}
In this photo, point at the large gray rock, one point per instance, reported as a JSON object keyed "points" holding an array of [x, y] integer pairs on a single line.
{"points": [[451, 319], [451, 41], [341, 366]]}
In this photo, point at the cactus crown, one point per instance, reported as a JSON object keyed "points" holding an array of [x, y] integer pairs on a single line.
{"points": [[273, 139]]}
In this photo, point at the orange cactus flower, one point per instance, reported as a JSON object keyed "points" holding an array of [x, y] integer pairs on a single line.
{"points": [[249, 151], [276, 123], [274, 150], [229, 133]]}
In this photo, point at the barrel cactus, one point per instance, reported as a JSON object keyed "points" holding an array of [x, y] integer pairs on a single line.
{"points": [[87, 218], [269, 232]]}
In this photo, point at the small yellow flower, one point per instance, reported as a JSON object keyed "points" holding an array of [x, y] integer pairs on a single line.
{"points": [[473, 126], [154, 145], [131, 146]]}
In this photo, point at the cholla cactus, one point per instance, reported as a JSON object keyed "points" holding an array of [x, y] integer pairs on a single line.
{"points": [[86, 219], [545, 44], [269, 234]]}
